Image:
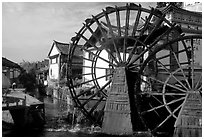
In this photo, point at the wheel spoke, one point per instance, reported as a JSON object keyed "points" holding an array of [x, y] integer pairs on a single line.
{"points": [[94, 34], [98, 91], [112, 34], [193, 61], [100, 57], [150, 46], [109, 24], [199, 81], [154, 93], [163, 105], [154, 110], [84, 92], [136, 21], [180, 51], [176, 100], [200, 88], [153, 30], [177, 110], [179, 82], [96, 105], [126, 33], [100, 27], [168, 84], [88, 41], [146, 23], [162, 123], [135, 65], [156, 99], [181, 69], [183, 63], [93, 80], [141, 33], [118, 21], [172, 114], [79, 65], [171, 74]]}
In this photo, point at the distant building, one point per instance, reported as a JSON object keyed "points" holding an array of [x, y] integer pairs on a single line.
{"points": [[42, 72], [11, 70], [58, 60]]}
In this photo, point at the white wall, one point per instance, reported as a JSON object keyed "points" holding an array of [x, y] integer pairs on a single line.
{"points": [[55, 71], [54, 68], [99, 72], [54, 51]]}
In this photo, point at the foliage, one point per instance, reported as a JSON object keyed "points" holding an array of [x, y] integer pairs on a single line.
{"points": [[28, 77], [28, 80], [28, 66]]}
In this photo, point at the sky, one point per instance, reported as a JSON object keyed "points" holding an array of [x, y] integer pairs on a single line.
{"points": [[29, 28]]}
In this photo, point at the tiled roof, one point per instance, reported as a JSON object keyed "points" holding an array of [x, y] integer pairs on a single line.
{"points": [[171, 7], [62, 47], [10, 64]]}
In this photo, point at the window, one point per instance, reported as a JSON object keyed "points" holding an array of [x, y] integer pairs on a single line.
{"points": [[51, 72], [11, 74], [54, 60], [91, 56]]}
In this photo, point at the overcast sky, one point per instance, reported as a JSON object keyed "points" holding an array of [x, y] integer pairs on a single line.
{"points": [[28, 29]]}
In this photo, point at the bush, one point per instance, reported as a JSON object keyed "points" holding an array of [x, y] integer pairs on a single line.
{"points": [[28, 80]]}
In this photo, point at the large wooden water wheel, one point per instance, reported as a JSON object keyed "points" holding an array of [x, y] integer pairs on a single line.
{"points": [[117, 37], [174, 93]]}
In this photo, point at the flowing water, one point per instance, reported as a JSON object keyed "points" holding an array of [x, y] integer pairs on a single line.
{"points": [[56, 124]]}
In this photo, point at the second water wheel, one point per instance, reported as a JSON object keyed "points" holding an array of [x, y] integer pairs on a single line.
{"points": [[173, 96]]}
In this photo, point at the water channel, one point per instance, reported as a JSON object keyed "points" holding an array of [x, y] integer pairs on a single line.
{"points": [[56, 125]]}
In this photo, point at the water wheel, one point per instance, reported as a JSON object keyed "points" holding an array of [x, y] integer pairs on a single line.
{"points": [[174, 93], [117, 37]]}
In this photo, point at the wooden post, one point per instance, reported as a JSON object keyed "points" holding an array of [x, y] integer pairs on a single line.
{"points": [[117, 118], [189, 121]]}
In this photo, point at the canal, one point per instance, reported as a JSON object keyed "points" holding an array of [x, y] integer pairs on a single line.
{"points": [[57, 123]]}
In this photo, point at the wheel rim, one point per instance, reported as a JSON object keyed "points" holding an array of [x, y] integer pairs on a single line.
{"points": [[111, 42], [176, 81]]}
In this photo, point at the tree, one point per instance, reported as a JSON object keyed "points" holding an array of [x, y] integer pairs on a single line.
{"points": [[28, 80]]}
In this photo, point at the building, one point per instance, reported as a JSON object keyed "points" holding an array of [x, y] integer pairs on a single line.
{"points": [[58, 60], [42, 72], [189, 18], [11, 70]]}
